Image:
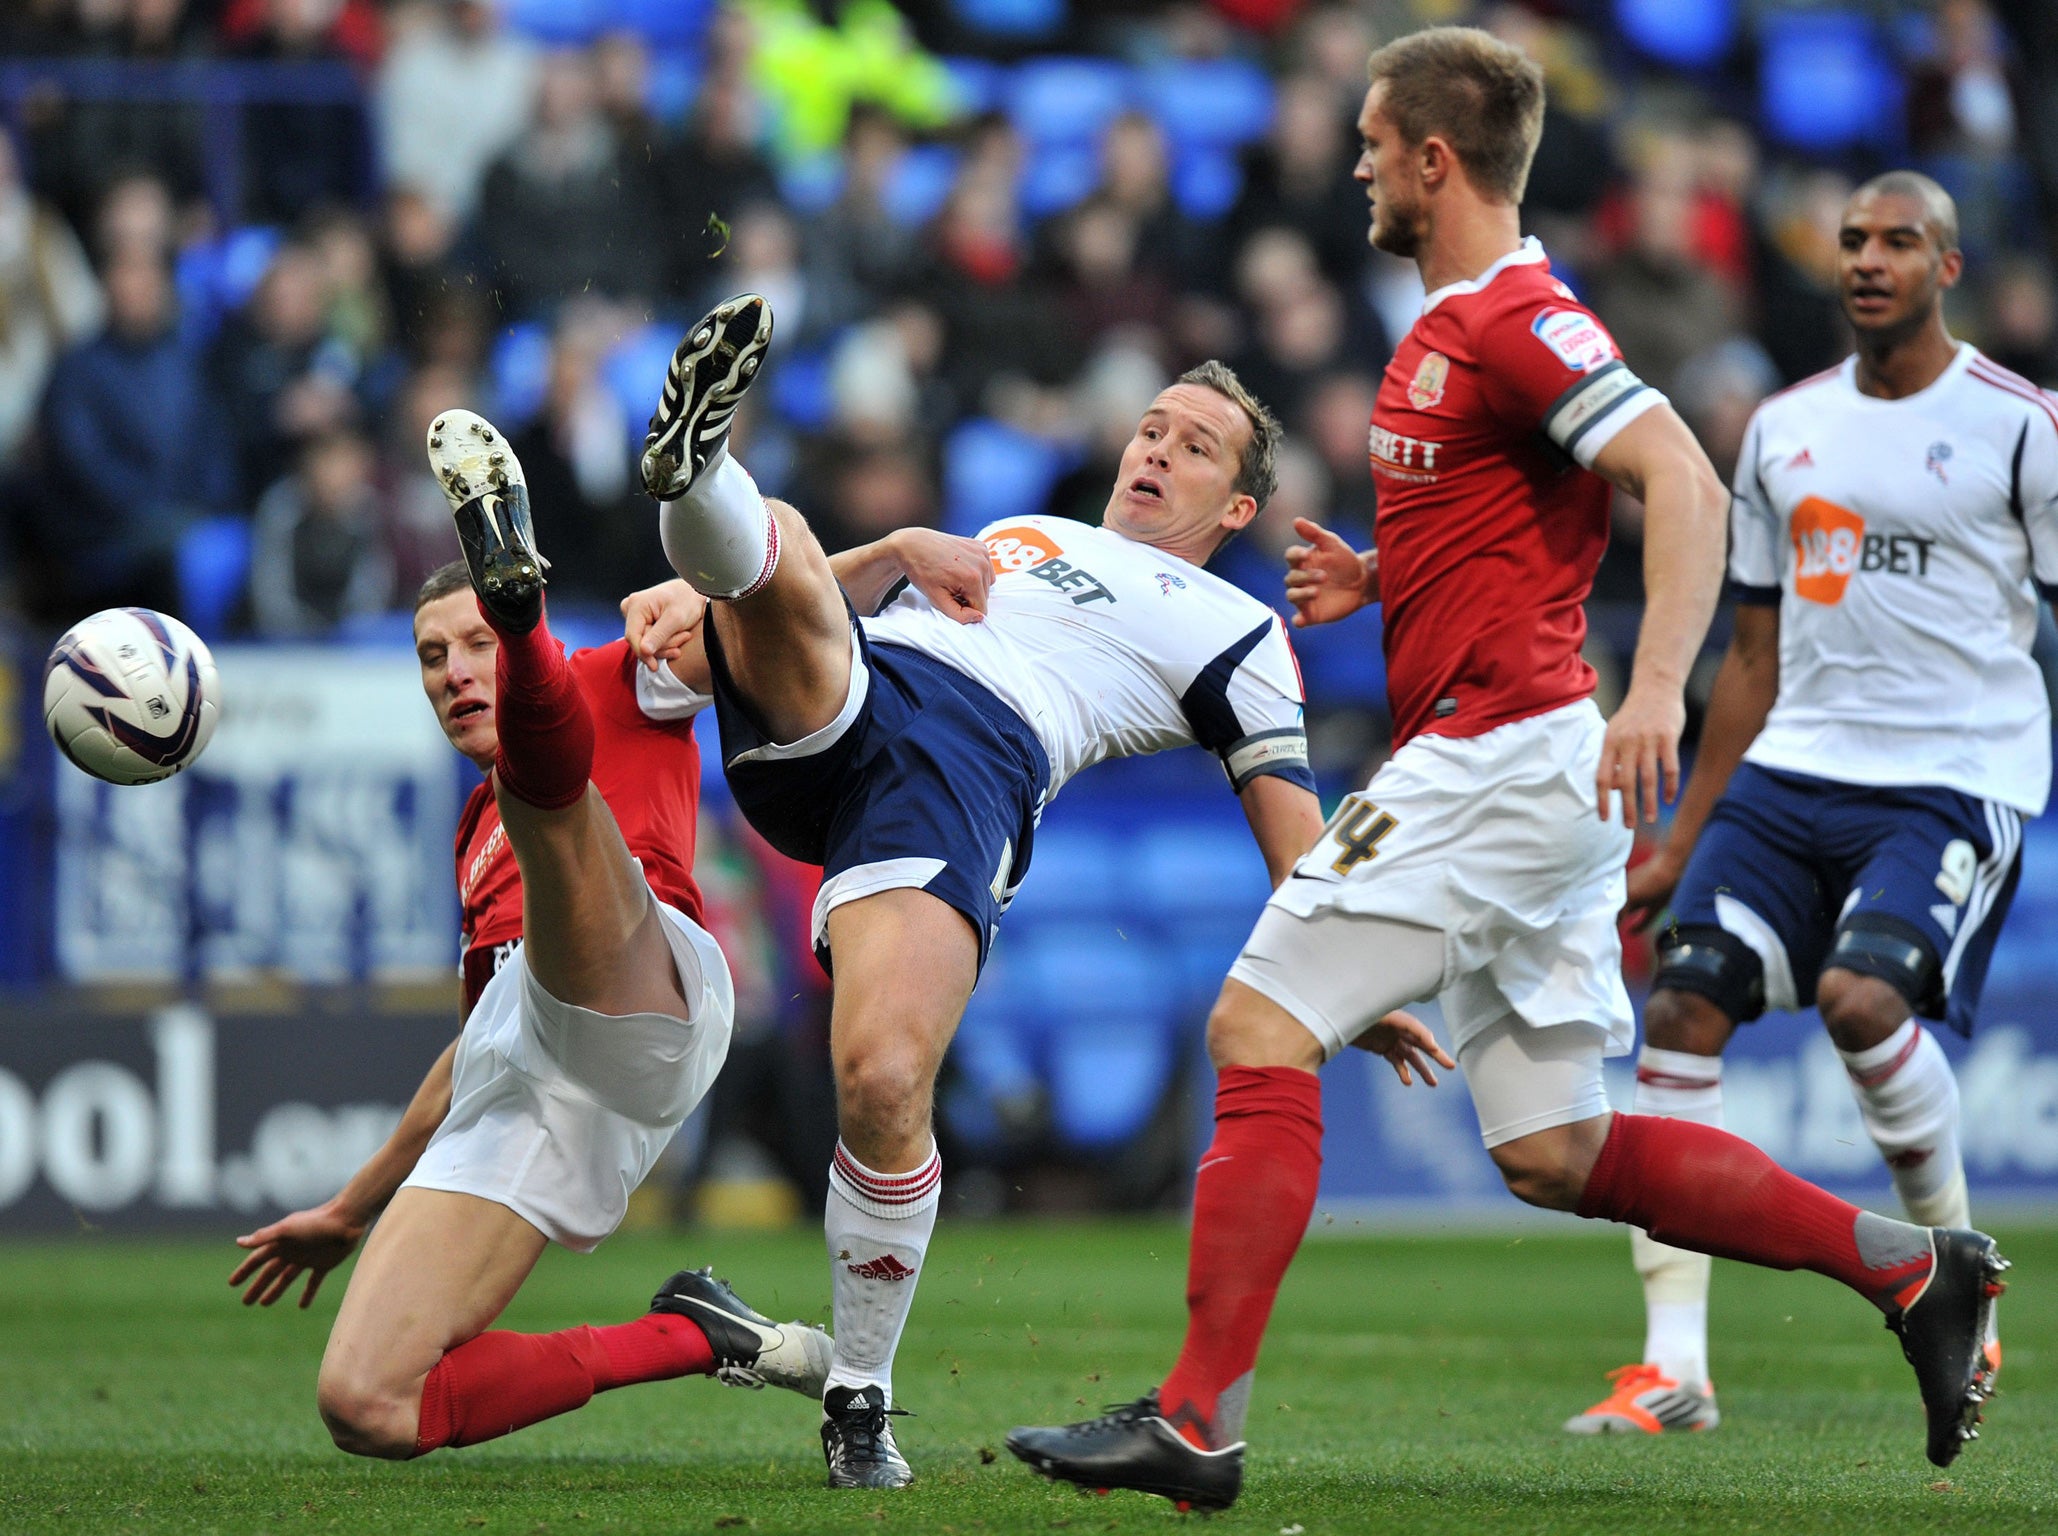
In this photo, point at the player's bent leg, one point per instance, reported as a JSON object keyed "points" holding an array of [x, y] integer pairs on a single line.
{"points": [[785, 651], [435, 1272], [905, 966], [1304, 987], [1678, 1074]]}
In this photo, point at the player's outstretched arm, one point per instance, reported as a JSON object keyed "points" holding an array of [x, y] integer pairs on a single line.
{"points": [[1326, 579], [1656, 460], [953, 573], [1285, 819], [316, 1240], [1744, 692]]}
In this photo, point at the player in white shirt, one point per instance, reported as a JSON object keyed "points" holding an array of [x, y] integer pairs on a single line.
{"points": [[911, 754], [1852, 832]]}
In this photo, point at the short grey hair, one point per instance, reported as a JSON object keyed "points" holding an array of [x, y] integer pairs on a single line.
{"points": [[1257, 467]]}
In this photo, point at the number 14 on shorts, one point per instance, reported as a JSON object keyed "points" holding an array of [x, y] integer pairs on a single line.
{"points": [[1357, 826]]}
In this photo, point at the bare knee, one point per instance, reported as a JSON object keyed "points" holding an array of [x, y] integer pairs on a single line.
{"points": [[1859, 1011], [1247, 1029], [1550, 1167], [1686, 1021], [881, 1086], [365, 1418]]}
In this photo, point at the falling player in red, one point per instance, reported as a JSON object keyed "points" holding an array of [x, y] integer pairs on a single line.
{"points": [[1476, 866], [597, 1013]]}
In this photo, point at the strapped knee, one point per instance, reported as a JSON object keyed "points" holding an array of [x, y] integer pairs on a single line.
{"points": [[1896, 952], [1714, 963]]}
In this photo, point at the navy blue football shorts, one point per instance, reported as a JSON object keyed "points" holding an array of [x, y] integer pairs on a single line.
{"points": [[925, 780], [1795, 874]]}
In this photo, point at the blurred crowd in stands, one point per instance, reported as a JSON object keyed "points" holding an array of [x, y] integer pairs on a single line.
{"points": [[248, 248]]}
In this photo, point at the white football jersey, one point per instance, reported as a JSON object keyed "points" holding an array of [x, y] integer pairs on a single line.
{"points": [[1113, 648], [1905, 543]]}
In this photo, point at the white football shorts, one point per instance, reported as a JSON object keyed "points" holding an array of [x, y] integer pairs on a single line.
{"points": [[558, 1112], [1494, 844]]}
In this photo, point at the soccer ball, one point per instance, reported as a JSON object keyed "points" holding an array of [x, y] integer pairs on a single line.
{"points": [[131, 695]]}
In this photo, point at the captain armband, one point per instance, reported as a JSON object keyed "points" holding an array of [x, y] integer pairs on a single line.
{"points": [[1585, 418], [1283, 752]]}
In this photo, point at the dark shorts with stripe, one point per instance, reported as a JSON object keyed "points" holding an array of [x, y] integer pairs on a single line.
{"points": [[1790, 862], [934, 784]]}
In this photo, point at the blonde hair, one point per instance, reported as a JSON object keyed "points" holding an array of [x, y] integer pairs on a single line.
{"points": [[1483, 97]]}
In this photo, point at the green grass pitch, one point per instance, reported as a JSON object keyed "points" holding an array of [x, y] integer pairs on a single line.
{"points": [[1409, 1384]]}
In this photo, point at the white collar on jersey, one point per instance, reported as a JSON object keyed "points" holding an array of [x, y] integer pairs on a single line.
{"points": [[1529, 251]]}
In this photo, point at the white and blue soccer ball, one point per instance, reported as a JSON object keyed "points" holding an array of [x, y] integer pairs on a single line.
{"points": [[131, 695]]}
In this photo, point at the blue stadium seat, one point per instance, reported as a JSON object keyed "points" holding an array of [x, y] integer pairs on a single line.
{"points": [[214, 565], [1013, 20], [634, 372], [558, 21], [1073, 872], [1826, 83], [520, 369], [1058, 176], [1106, 1076], [1688, 34], [1220, 103], [662, 23], [979, 84], [799, 386], [218, 276], [1198, 869], [920, 183], [1205, 181], [809, 184], [673, 84], [1061, 968], [1063, 100], [992, 471]]}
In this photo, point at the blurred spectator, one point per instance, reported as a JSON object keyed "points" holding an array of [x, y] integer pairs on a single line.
{"points": [[1963, 98], [351, 28], [80, 147], [1575, 160], [560, 213], [298, 154], [592, 517], [712, 172], [280, 376], [856, 232], [417, 236], [454, 94], [133, 451], [997, 324], [418, 531], [1799, 322], [360, 315], [1295, 341], [810, 299], [2022, 328], [866, 490], [1135, 177], [814, 70], [886, 379], [1114, 390], [49, 298], [319, 554], [1662, 303], [136, 218], [1336, 420], [1301, 177], [1103, 281], [1717, 390]]}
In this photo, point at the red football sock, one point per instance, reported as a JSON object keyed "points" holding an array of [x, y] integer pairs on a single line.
{"points": [[546, 732], [500, 1382], [1251, 1204], [1696, 1187]]}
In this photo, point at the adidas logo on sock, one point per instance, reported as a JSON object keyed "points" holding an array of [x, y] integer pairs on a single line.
{"points": [[885, 1267]]}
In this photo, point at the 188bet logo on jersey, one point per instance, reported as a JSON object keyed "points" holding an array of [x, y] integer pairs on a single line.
{"points": [[1831, 545]]}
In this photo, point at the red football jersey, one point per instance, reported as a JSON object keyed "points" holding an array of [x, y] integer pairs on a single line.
{"points": [[1490, 523], [646, 767]]}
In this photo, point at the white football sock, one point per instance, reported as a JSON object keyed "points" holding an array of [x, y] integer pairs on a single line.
{"points": [[720, 535], [1908, 1097], [1680, 1086], [878, 1226]]}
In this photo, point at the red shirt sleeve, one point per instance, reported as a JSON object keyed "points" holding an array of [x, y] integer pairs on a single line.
{"points": [[1540, 347]]}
